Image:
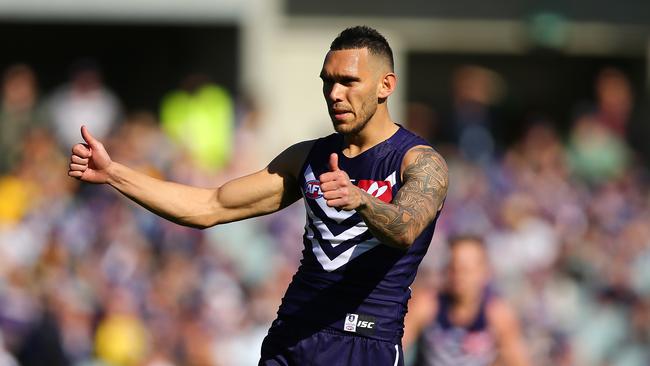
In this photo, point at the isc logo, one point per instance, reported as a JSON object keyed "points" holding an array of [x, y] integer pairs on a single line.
{"points": [[354, 321], [312, 189], [365, 324]]}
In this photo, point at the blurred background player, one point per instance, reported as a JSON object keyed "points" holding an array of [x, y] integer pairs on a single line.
{"points": [[466, 323], [20, 113]]}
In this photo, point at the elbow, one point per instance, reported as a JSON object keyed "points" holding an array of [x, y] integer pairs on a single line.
{"points": [[405, 244], [402, 242], [205, 223], [406, 239], [200, 226], [200, 223]]}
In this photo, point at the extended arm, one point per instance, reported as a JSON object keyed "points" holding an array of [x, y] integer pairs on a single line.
{"points": [[260, 193], [416, 204]]}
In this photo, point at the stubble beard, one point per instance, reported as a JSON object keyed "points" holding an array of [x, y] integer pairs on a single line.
{"points": [[368, 109]]}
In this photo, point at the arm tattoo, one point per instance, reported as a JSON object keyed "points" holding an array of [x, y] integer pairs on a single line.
{"points": [[416, 204]]}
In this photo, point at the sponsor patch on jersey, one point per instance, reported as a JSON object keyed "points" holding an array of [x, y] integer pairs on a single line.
{"points": [[359, 323], [381, 189], [312, 189]]}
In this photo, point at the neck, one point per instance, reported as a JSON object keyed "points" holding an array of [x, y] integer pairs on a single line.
{"points": [[379, 128], [467, 300]]}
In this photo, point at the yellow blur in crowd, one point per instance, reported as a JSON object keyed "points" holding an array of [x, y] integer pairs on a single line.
{"points": [[200, 121], [121, 340], [15, 200]]}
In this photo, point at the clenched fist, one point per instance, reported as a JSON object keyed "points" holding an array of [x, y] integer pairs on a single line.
{"points": [[89, 162], [337, 188]]}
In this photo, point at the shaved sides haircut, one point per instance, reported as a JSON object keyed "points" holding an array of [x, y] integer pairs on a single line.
{"points": [[364, 37]]}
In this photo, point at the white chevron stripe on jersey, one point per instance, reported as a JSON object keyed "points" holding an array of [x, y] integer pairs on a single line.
{"points": [[326, 234], [342, 259], [334, 240]]}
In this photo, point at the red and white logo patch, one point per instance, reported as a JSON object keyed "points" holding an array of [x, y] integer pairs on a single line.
{"points": [[312, 189], [378, 188]]}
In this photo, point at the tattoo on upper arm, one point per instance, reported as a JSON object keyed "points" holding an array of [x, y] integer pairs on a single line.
{"points": [[416, 203]]}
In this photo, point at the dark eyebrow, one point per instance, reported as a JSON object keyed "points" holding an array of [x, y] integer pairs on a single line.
{"points": [[338, 77]]}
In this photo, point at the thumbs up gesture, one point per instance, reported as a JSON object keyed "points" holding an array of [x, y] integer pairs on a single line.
{"points": [[89, 162], [337, 188]]}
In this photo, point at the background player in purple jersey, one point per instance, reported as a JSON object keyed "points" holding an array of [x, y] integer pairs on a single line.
{"points": [[466, 323], [372, 191]]}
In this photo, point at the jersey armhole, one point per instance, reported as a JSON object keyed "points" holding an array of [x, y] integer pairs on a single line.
{"points": [[314, 145]]}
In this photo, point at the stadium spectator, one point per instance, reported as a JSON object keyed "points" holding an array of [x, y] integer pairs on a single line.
{"points": [[475, 92], [614, 100], [199, 117], [19, 113], [85, 99]]}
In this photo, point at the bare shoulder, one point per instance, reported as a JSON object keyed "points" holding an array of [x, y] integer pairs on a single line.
{"points": [[289, 161], [425, 155], [301, 147], [426, 169]]}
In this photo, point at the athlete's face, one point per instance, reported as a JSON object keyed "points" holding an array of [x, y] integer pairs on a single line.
{"points": [[351, 81], [468, 269]]}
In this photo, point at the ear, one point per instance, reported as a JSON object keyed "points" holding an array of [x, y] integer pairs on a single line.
{"points": [[387, 85]]}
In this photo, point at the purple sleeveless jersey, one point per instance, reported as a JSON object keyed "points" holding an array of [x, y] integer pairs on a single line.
{"points": [[443, 343], [348, 281]]}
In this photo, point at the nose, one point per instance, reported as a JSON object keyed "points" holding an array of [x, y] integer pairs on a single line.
{"points": [[334, 92]]}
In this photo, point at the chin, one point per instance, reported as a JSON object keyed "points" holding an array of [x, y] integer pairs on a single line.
{"points": [[340, 128], [347, 128]]}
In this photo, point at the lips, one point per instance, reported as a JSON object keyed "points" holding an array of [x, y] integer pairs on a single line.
{"points": [[340, 113], [341, 116]]}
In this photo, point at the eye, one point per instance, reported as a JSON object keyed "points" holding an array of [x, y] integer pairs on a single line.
{"points": [[348, 81]]}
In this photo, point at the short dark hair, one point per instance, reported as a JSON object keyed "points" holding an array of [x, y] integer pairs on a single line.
{"points": [[363, 36]]}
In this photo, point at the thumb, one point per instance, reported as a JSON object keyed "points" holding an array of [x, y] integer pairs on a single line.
{"points": [[90, 140], [334, 162]]}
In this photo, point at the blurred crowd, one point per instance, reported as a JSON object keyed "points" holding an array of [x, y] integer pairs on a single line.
{"points": [[89, 278]]}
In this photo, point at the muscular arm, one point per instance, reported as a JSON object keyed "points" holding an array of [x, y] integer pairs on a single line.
{"points": [[416, 204], [263, 192]]}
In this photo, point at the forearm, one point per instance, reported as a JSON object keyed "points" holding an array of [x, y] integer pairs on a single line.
{"points": [[393, 225], [185, 205]]}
